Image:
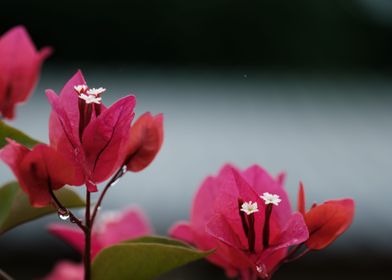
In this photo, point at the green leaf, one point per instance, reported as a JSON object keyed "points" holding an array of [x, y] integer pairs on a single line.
{"points": [[7, 131], [15, 208], [143, 258], [160, 240]]}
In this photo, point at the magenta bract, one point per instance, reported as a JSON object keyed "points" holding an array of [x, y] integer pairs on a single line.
{"points": [[145, 141], [38, 170], [250, 242], [89, 134], [20, 65], [66, 270], [326, 221]]}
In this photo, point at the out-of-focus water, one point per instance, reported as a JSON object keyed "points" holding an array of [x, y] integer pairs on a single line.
{"points": [[334, 133]]}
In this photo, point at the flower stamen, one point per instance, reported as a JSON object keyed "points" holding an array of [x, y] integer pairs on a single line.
{"points": [[266, 229], [89, 104], [248, 221]]}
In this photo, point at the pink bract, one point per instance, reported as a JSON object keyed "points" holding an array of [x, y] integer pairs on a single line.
{"points": [[38, 170], [113, 228], [326, 221], [145, 141], [216, 221], [65, 270], [20, 65], [90, 135]]}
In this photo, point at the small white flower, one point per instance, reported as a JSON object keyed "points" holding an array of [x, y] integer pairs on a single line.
{"points": [[96, 91], [271, 198], [90, 98], [249, 207], [81, 88]]}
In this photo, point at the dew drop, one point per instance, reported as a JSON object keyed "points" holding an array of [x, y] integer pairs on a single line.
{"points": [[124, 169], [63, 217], [114, 182], [63, 214]]}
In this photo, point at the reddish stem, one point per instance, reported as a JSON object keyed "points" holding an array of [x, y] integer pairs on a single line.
{"points": [[251, 233], [91, 218], [60, 206], [116, 176], [266, 229], [87, 239]]}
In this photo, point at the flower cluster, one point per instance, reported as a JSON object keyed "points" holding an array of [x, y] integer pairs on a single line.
{"points": [[88, 141], [248, 218]]}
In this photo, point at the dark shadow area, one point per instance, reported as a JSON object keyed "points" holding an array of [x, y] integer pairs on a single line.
{"points": [[304, 34]]}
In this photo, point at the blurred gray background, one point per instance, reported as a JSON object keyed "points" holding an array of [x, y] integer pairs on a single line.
{"points": [[297, 86]]}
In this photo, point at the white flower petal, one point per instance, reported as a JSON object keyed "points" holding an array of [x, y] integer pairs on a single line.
{"points": [[249, 207], [81, 88], [271, 198], [96, 91]]}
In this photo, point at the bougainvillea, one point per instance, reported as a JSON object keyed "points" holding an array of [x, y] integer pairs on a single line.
{"points": [[20, 65], [87, 133], [247, 217]]}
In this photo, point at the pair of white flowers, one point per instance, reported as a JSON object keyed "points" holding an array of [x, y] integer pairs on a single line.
{"points": [[252, 207], [90, 95]]}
